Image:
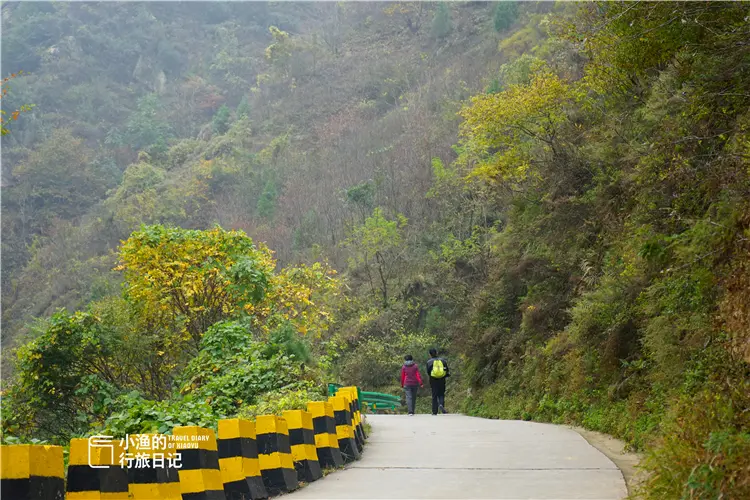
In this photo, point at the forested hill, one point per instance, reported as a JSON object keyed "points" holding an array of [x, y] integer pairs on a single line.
{"points": [[289, 121], [556, 195]]}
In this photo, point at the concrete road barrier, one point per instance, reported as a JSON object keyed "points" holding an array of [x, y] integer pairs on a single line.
{"points": [[275, 454], [324, 427], [93, 483], [32, 472], [359, 429], [344, 430], [238, 460], [161, 478], [302, 441], [200, 477], [249, 461]]}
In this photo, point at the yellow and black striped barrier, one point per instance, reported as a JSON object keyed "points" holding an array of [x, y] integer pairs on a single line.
{"points": [[324, 427], [238, 460], [358, 440], [32, 472], [359, 431], [344, 430], [360, 420], [160, 479], [200, 478], [275, 454], [249, 461], [107, 479], [302, 441]]}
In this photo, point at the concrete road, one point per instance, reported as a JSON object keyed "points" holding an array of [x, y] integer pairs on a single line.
{"points": [[453, 456]]}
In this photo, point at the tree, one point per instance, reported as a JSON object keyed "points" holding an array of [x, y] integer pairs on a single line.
{"points": [[61, 376], [243, 108], [377, 246], [362, 196], [146, 129], [189, 280], [441, 23], [504, 16], [503, 131], [280, 51], [234, 367], [267, 201], [332, 28], [221, 120]]}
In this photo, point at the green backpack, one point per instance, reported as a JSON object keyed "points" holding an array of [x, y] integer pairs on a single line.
{"points": [[438, 369]]}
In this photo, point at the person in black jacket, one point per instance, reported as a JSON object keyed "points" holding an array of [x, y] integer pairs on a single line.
{"points": [[437, 382]]}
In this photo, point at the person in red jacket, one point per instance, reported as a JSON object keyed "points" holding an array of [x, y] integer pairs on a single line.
{"points": [[411, 381]]}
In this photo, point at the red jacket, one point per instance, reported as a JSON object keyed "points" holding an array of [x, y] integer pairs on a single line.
{"points": [[410, 374]]}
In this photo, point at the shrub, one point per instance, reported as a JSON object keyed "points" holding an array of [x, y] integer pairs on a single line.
{"points": [[292, 397], [233, 369], [133, 414]]}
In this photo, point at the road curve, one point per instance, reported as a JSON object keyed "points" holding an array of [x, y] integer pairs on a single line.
{"points": [[459, 457]]}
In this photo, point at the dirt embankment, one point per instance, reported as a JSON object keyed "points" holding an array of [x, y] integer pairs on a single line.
{"points": [[615, 450]]}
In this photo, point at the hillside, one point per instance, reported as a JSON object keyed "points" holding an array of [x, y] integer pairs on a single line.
{"points": [[555, 195], [325, 115]]}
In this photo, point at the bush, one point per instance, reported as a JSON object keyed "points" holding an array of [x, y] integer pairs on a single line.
{"points": [[292, 397], [233, 369], [133, 414]]}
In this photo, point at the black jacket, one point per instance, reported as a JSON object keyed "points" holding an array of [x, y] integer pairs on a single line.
{"points": [[445, 364]]}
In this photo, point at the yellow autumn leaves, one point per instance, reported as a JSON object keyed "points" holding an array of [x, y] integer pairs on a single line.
{"points": [[502, 132], [188, 280]]}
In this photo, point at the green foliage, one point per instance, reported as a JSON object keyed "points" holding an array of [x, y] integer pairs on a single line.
{"points": [[362, 196], [59, 179], [285, 340], [146, 129], [600, 307], [117, 365], [234, 369], [60, 381], [441, 23], [266, 206], [504, 131], [519, 71], [221, 119], [193, 278], [376, 247], [292, 397], [135, 415], [243, 108], [505, 15]]}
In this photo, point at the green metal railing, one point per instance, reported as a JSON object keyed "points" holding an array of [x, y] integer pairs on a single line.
{"points": [[375, 401]]}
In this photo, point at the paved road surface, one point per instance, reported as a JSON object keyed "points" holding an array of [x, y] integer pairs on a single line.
{"points": [[458, 457]]}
